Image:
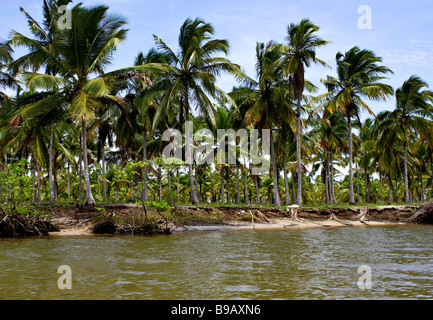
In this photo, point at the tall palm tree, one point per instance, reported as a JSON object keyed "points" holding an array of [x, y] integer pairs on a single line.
{"points": [[192, 78], [329, 132], [145, 100], [6, 104], [267, 100], [42, 53], [7, 80], [412, 115], [359, 76], [300, 52], [368, 153], [84, 51]]}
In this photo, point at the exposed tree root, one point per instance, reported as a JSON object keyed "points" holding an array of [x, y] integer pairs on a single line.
{"points": [[294, 212], [146, 228], [362, 214], [17, 225], [333, 217], [261, 216]]}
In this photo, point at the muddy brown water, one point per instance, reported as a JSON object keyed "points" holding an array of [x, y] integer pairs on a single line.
{"points": [[262, 264]]}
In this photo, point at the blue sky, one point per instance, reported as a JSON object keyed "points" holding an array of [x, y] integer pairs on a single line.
{"points": [[401, 31]]}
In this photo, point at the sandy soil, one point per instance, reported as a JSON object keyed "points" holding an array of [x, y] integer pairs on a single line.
{"points": [[275, 224], [287, 223]]}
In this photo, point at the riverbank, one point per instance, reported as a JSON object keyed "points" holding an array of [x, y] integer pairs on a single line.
{"points": [[285, 223], [74, 222]]}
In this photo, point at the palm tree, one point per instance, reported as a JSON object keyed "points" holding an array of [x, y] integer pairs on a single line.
{"points": [[42, 53], [192, 77], [6, 104], [82, 51], [6, 79], [358, 76], [299, 53], [412, 115], [267, 100], [368, 154], [144, 101], [329, 132]]}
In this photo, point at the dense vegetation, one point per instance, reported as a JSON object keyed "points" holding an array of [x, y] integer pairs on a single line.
{"points": [[78, 134]]}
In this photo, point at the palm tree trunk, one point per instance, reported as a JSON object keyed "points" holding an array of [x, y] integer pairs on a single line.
{"points": [[56, 185], [396, 188], [33, 184], [69, 184], [238, 191], [422, 188], [256, 183], [145, 196], [90, 201], [286, 181], [228, 184], [51, 165], [357, 183], [104, 174], [293, 184], [245, 187], [222, 186], [332, 180], [1, 185], [80, 173], [194, 199], [169, 179], [99, 189], [409, 189], [39, 183], [298, 150], [326, 182], [277, 200], [381, 186], [431, 166], [329, 183], [159, 182], [177, 183], [351, 195], [406, 182], [367, 200], [196, 176], [390, 187]]}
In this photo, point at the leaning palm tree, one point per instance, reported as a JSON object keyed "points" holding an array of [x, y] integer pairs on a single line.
{"points": [[300, 52], [359, 76], [412, 115], [192, 78]]}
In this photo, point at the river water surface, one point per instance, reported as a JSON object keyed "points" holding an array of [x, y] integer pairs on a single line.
{"points": [[289, 264]]}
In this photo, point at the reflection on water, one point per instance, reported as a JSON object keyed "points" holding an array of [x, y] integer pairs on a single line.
{"points": [[289, 264]]}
